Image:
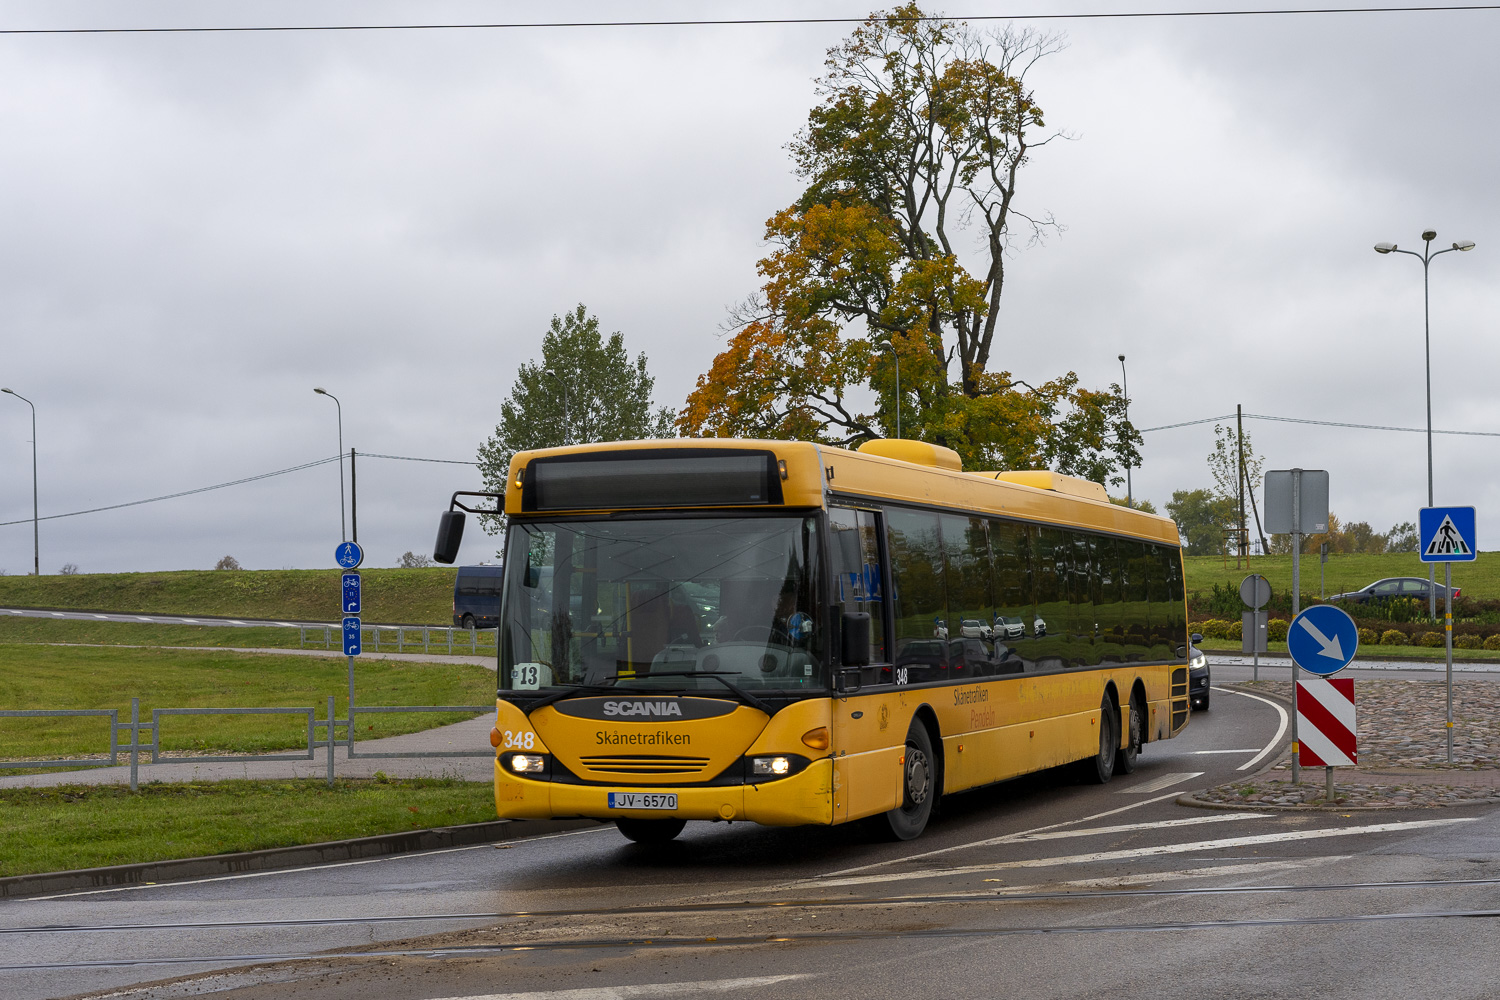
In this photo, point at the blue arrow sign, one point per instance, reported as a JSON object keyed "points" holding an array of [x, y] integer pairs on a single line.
{"points": [[349, 555], [351, 636], [1446, 534], [351, 594], [1322, 639]]}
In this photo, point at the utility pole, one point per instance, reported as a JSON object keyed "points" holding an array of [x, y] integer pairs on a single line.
{"points": [[1239, 421]]}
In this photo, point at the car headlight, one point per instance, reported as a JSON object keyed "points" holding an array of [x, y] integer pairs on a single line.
{"points": [[1198, 662]]}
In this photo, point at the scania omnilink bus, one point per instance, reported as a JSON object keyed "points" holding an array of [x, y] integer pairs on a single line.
{"points": [[790, 633]]}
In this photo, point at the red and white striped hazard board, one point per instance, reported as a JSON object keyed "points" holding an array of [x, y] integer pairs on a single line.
{"points": [[1325, 723]]}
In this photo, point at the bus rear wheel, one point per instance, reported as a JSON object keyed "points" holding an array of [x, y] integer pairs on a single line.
{"points": [[650, 831], [918, 786], [1099, 768], [1125, 759]]}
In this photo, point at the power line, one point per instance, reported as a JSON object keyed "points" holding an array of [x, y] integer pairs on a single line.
{"points": [[407, 458], [738, 22], [1318, 423], [236, 482], [184, 493]]}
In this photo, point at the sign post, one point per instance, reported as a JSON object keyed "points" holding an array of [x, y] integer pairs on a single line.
{"points": [[348, 555], [1255, 591], [1446, 535], [1323, 640], [1296, 503]]}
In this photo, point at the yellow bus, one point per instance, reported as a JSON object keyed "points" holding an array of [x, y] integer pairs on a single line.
{"points": [[787, 633]]}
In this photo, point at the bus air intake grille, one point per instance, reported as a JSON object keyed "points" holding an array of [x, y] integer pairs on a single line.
{"points": [[1180, 682], [645, 764]]}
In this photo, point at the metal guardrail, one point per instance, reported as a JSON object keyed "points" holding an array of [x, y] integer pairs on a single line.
{"points": [[432, 636], [330, 723]]}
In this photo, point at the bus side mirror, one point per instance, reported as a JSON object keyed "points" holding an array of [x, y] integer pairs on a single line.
{"points": [[450, 534], [854, 638]]}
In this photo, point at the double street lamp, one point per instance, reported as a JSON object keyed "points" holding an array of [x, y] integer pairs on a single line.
{"points": [[1426, 258], [36, 543], [343, 533]]}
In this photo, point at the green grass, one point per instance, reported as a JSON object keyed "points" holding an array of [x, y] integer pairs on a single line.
{"points": [[409, 596], [1423, 654], [57, 630], [51, 677], [1478, 579], [82, 826]]}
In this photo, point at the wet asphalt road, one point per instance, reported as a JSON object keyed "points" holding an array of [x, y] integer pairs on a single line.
{"points": [[1039, 887]]}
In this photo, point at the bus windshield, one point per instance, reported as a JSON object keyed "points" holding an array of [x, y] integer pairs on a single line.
{"points": [[663, 604]]}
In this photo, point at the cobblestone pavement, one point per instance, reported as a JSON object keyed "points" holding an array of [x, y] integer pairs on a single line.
{"points": [[1402, 752]]}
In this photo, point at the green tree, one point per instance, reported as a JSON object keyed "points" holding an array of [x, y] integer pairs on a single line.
{"points": [[913, 155], [1202, 519], [1402, 538], [583, 389]]}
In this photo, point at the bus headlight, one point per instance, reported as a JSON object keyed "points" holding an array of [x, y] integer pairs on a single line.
{"points": [[526, 763], [771, 765]]}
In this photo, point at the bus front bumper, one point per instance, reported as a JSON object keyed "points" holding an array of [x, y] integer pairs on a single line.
{"points": [[806, 797]]}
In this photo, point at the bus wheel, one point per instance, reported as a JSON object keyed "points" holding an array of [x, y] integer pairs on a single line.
{"points": [[1099, 768], [918, 786], [468, 622], [1125, 759], [650, 831]]}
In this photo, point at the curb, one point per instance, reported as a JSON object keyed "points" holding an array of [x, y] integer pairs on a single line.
{"points": [[271, 859], [1191, 799]]}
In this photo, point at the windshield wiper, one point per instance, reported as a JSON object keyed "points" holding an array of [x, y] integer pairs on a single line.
{"points": [[718, 675], [580, 689]]}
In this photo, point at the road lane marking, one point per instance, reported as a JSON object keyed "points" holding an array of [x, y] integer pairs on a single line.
{"points": [[1006, 838], [645, 990], [1099, 831], [1280, 730], [1251, 750], [1157, 784], [1154, 850]]}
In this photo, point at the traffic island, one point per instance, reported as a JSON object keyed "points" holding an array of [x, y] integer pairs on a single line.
{"points": [[1402, 752]]}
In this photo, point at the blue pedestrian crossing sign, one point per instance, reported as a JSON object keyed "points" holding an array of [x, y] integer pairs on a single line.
{"points": [[351, 594], [351, 636], [1322, 639], [1446, 534], [349, 555]]}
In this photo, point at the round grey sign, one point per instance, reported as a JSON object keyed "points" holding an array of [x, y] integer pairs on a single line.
{"points": [[1255, 591]]}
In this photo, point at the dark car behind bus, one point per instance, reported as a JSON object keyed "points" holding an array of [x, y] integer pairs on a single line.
{"points": [[476, 596]]}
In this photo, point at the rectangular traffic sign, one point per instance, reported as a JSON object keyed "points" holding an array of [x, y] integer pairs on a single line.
{"points": [[351, 636], [1446, 534], [1308, 514], [351, 594], [1325, 723]]}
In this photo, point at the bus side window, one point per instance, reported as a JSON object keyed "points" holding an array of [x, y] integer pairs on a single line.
{"points": [[855, 548], [919, 598]]}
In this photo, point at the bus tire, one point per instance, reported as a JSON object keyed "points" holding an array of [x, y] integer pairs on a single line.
{"points": [[918, 786], [650, 831], [1098, 769], [1125, 759]]}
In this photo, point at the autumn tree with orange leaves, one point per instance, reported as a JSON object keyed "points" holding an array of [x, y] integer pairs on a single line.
{"points": [[910, 160]]}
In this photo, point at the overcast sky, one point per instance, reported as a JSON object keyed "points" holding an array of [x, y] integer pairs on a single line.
{"points": [[195, 230]]}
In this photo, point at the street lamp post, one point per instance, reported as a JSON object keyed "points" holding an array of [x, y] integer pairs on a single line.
{"points": [[567, 425], [343, 533], [36, 538], [1125, 388], [1426, 258], [896, 358]]}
